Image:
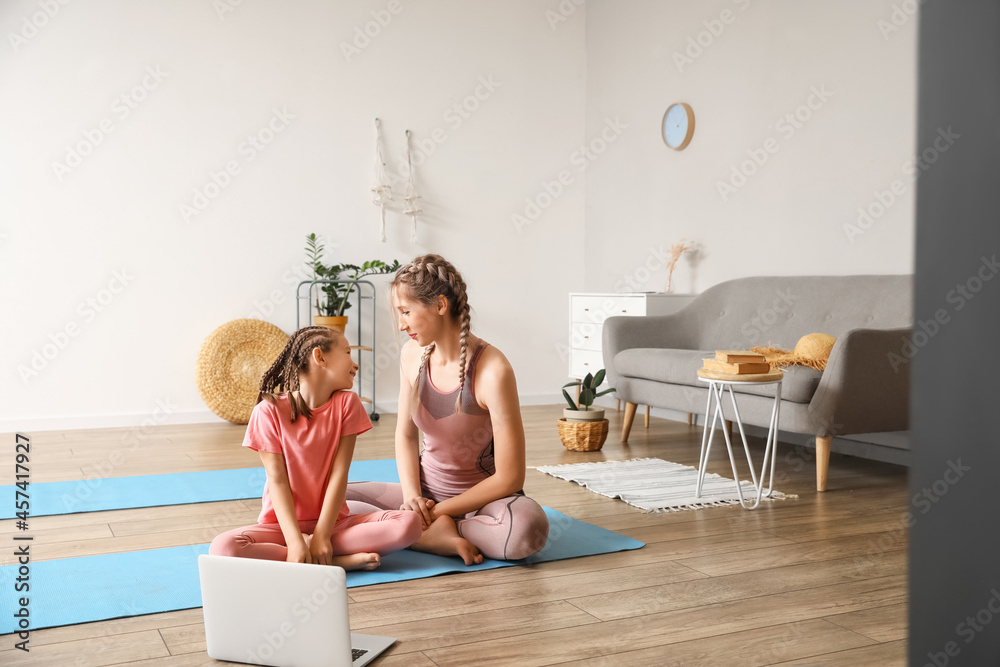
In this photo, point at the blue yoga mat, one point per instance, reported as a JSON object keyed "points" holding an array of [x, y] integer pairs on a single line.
{"points": [[98, 588], [180, 488]]}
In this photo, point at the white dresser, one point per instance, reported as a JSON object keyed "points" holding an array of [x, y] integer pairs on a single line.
{"points": [[587, 312]]}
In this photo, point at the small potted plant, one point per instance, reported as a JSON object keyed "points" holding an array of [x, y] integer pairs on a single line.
{"points": [[334, 297], [582, 410], [584, 428]]}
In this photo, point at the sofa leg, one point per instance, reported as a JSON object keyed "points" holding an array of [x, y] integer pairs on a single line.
{"points": [[629, 416], [689, 418], [822, 461], [646, 424], [729, 428]]}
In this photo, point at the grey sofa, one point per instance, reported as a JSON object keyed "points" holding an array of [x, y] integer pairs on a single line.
{"points": [[653, 361]]}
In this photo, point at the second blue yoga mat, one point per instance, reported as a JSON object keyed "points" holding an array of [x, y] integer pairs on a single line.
{"points": [[179, 488], [98, 588]]}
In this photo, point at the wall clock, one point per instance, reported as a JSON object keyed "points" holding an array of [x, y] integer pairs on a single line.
{"points": [[678, 126]]}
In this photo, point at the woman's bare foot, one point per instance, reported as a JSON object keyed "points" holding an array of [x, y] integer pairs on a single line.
{"points": [[442, 538], [361, 561]]}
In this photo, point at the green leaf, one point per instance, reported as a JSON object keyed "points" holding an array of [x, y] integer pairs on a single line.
{"points": [[599, 378], [572, 405], [588, 380], [574, 383], [606, 391]]}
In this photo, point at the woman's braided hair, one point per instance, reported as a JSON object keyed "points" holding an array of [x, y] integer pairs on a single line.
{"points": [[283, 375], [424, 279]]}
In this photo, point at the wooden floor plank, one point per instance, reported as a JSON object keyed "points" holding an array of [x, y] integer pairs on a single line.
{"points": [[671, 627], [654, 598], [97, 652], [761, 646], [515, 593], [883, 624], [862, 548], [889, 654]]}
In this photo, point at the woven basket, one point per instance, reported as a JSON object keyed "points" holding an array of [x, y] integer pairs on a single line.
{"points": [[231, 363], [583, 436]]}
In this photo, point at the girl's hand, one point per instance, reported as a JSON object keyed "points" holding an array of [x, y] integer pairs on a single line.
{"points": [[422, 506], [298, 552], [321, 550]]}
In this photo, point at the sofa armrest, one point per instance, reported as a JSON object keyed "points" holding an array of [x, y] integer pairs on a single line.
{"points": [[866, 385], [626, 333]]}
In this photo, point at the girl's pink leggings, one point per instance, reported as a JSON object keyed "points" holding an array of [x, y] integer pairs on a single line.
{"points": [[375, 532]]}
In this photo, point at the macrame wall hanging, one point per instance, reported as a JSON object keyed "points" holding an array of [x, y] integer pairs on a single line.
{"points": [[411, 194], [381, 189]]}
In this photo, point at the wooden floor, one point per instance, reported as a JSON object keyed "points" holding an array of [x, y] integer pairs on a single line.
{"points": [[817, 580]]}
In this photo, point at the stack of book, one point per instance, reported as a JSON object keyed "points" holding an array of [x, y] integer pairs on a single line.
{"points": [[737, 362]]}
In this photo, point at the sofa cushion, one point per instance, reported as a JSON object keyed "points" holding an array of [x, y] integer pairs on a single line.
{"points": [[681, 367]]}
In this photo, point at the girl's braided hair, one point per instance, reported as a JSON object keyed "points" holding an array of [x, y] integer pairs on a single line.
{"points": [[424, 279], [283, 375]]}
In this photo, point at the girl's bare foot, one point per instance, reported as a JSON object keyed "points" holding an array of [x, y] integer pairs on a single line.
{"points": [[442, 538], [361, 561]]}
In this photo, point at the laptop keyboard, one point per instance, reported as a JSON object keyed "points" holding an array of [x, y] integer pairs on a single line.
{"points": [[357, 653]]}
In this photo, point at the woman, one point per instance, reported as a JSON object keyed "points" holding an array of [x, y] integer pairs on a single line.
{"points": [[466, 484]]}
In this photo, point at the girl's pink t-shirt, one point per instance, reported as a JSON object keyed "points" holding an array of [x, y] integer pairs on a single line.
{"points": [[308, 445]]}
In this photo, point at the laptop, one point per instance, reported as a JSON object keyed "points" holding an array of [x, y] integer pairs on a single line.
{"points": [[279, 614]]}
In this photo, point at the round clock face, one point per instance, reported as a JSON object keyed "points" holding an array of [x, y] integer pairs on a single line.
{"points": [[678, 126]]}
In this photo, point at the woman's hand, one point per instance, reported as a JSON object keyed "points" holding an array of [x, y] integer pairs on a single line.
{"points": [[320, 549], [298, 552], [422, 506]]}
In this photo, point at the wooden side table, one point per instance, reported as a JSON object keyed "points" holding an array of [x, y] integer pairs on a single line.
{"points": [[718, 383]]}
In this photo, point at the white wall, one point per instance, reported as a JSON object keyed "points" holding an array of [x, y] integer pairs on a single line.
{"points": [[201, 81], [504, 192], [743, 65]]}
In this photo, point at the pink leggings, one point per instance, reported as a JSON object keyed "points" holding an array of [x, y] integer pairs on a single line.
{"points": [[511, 528], [376, 532]]}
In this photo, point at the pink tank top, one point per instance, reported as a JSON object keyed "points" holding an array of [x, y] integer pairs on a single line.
{"points": [[458, 446]]}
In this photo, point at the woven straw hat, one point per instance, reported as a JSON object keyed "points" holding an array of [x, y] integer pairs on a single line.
{"points": [[812, 350], [231, 363]]}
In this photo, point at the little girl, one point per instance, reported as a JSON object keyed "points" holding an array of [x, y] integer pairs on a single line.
{"points": [[304, 427]]}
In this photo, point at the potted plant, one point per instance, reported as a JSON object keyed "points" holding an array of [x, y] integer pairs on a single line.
{"points": [[334, 297], [582, 427], [582, 410]]}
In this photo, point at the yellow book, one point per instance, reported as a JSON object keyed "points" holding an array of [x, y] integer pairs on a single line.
{"points": [[738, 356], [737, 368]]}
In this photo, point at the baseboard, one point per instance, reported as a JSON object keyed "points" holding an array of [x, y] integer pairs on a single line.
{"points": [[168, 414], [157, 417]]}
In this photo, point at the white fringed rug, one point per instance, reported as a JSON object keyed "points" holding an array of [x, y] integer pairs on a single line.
{"points": [[655, 485]]}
